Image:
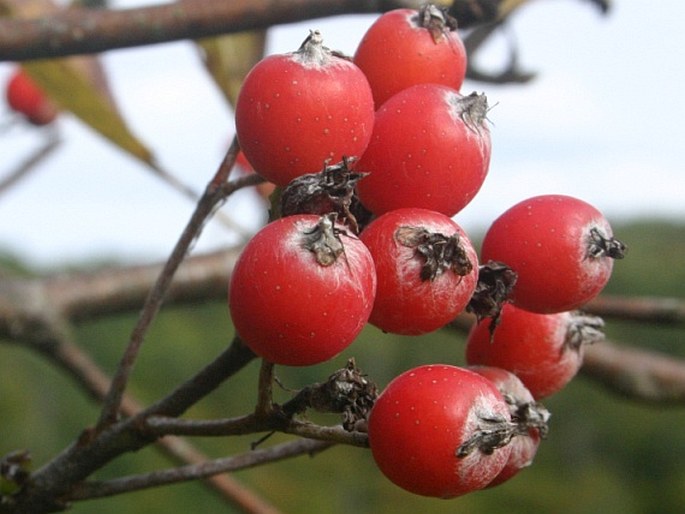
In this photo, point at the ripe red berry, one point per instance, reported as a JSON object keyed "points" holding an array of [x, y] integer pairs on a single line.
{"points": [[440, 430], [405, 47], [427, 270], [25, 97], [544, 350], [561, 248], [302, 290], [297, 111], [530, 416], [430, 148]]}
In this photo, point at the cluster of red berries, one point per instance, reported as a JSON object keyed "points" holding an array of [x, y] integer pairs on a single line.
{"points": [[370, 239], [26, 98]]}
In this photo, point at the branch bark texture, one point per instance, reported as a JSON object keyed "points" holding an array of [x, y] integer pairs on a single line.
{"points": [[83, 30]]}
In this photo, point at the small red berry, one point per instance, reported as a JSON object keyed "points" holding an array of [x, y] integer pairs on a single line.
{"points": [[430, 148], [405, 47], [298, 111], [427, 270], [25, 97], [441, 431], [530, 416], [561, 248], [544, 350], [302, 290]]}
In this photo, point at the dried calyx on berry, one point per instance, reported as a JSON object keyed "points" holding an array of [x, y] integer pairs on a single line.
{"points": [[330, 190], [313, 52], [439, 252], [347, 391], [323, 240], [492, 432], [600, 245], [436, 20], [496, 281], [528, 415], [472, 109], [583, 329]]}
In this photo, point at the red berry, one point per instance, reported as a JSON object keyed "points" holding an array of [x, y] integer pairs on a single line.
{"points": [[302, 290], [561, 248], [427, 270], [440, 430], [25, 97], [544, 350], [430, 148], [299, 110], [406, 47]]}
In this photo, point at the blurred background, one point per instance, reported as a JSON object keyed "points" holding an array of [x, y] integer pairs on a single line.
{"points": [[601, 121]]}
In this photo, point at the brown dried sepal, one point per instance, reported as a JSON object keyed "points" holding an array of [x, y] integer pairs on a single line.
{"points": [[472, 109], [583, 329], [528, 415], [347, 391], [495, 284], [438, 251], [492, 433], [436, 20], [323, 240], [600, 245], [330, 190]]}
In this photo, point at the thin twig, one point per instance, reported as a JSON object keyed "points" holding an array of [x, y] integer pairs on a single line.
{"points": [[643, 309], [88, 490], [229, 362], [52, 141], [95, 382], [242, 425], [250, 424], [187, 191], [336, 434], [213, 196], [636, 374], [264, 405], [83, 31]]}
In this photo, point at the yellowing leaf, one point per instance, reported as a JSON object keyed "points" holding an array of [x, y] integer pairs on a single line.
{"points": [[67, 86], [78, 84], [229, 58], [28, 8]]}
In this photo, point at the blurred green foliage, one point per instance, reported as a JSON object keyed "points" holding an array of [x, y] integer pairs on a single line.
{"points": [[604, 453]]}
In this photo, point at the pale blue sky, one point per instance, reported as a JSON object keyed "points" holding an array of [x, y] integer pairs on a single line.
{"points": [[601, 122]]}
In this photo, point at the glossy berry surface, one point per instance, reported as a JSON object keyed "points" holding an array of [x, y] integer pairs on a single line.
{"points": [[531, 417], [544, 350], [561, 248], [405, 47], [302, 290], [427, 270], [297, 111], [427, 431], [430, 148]]}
